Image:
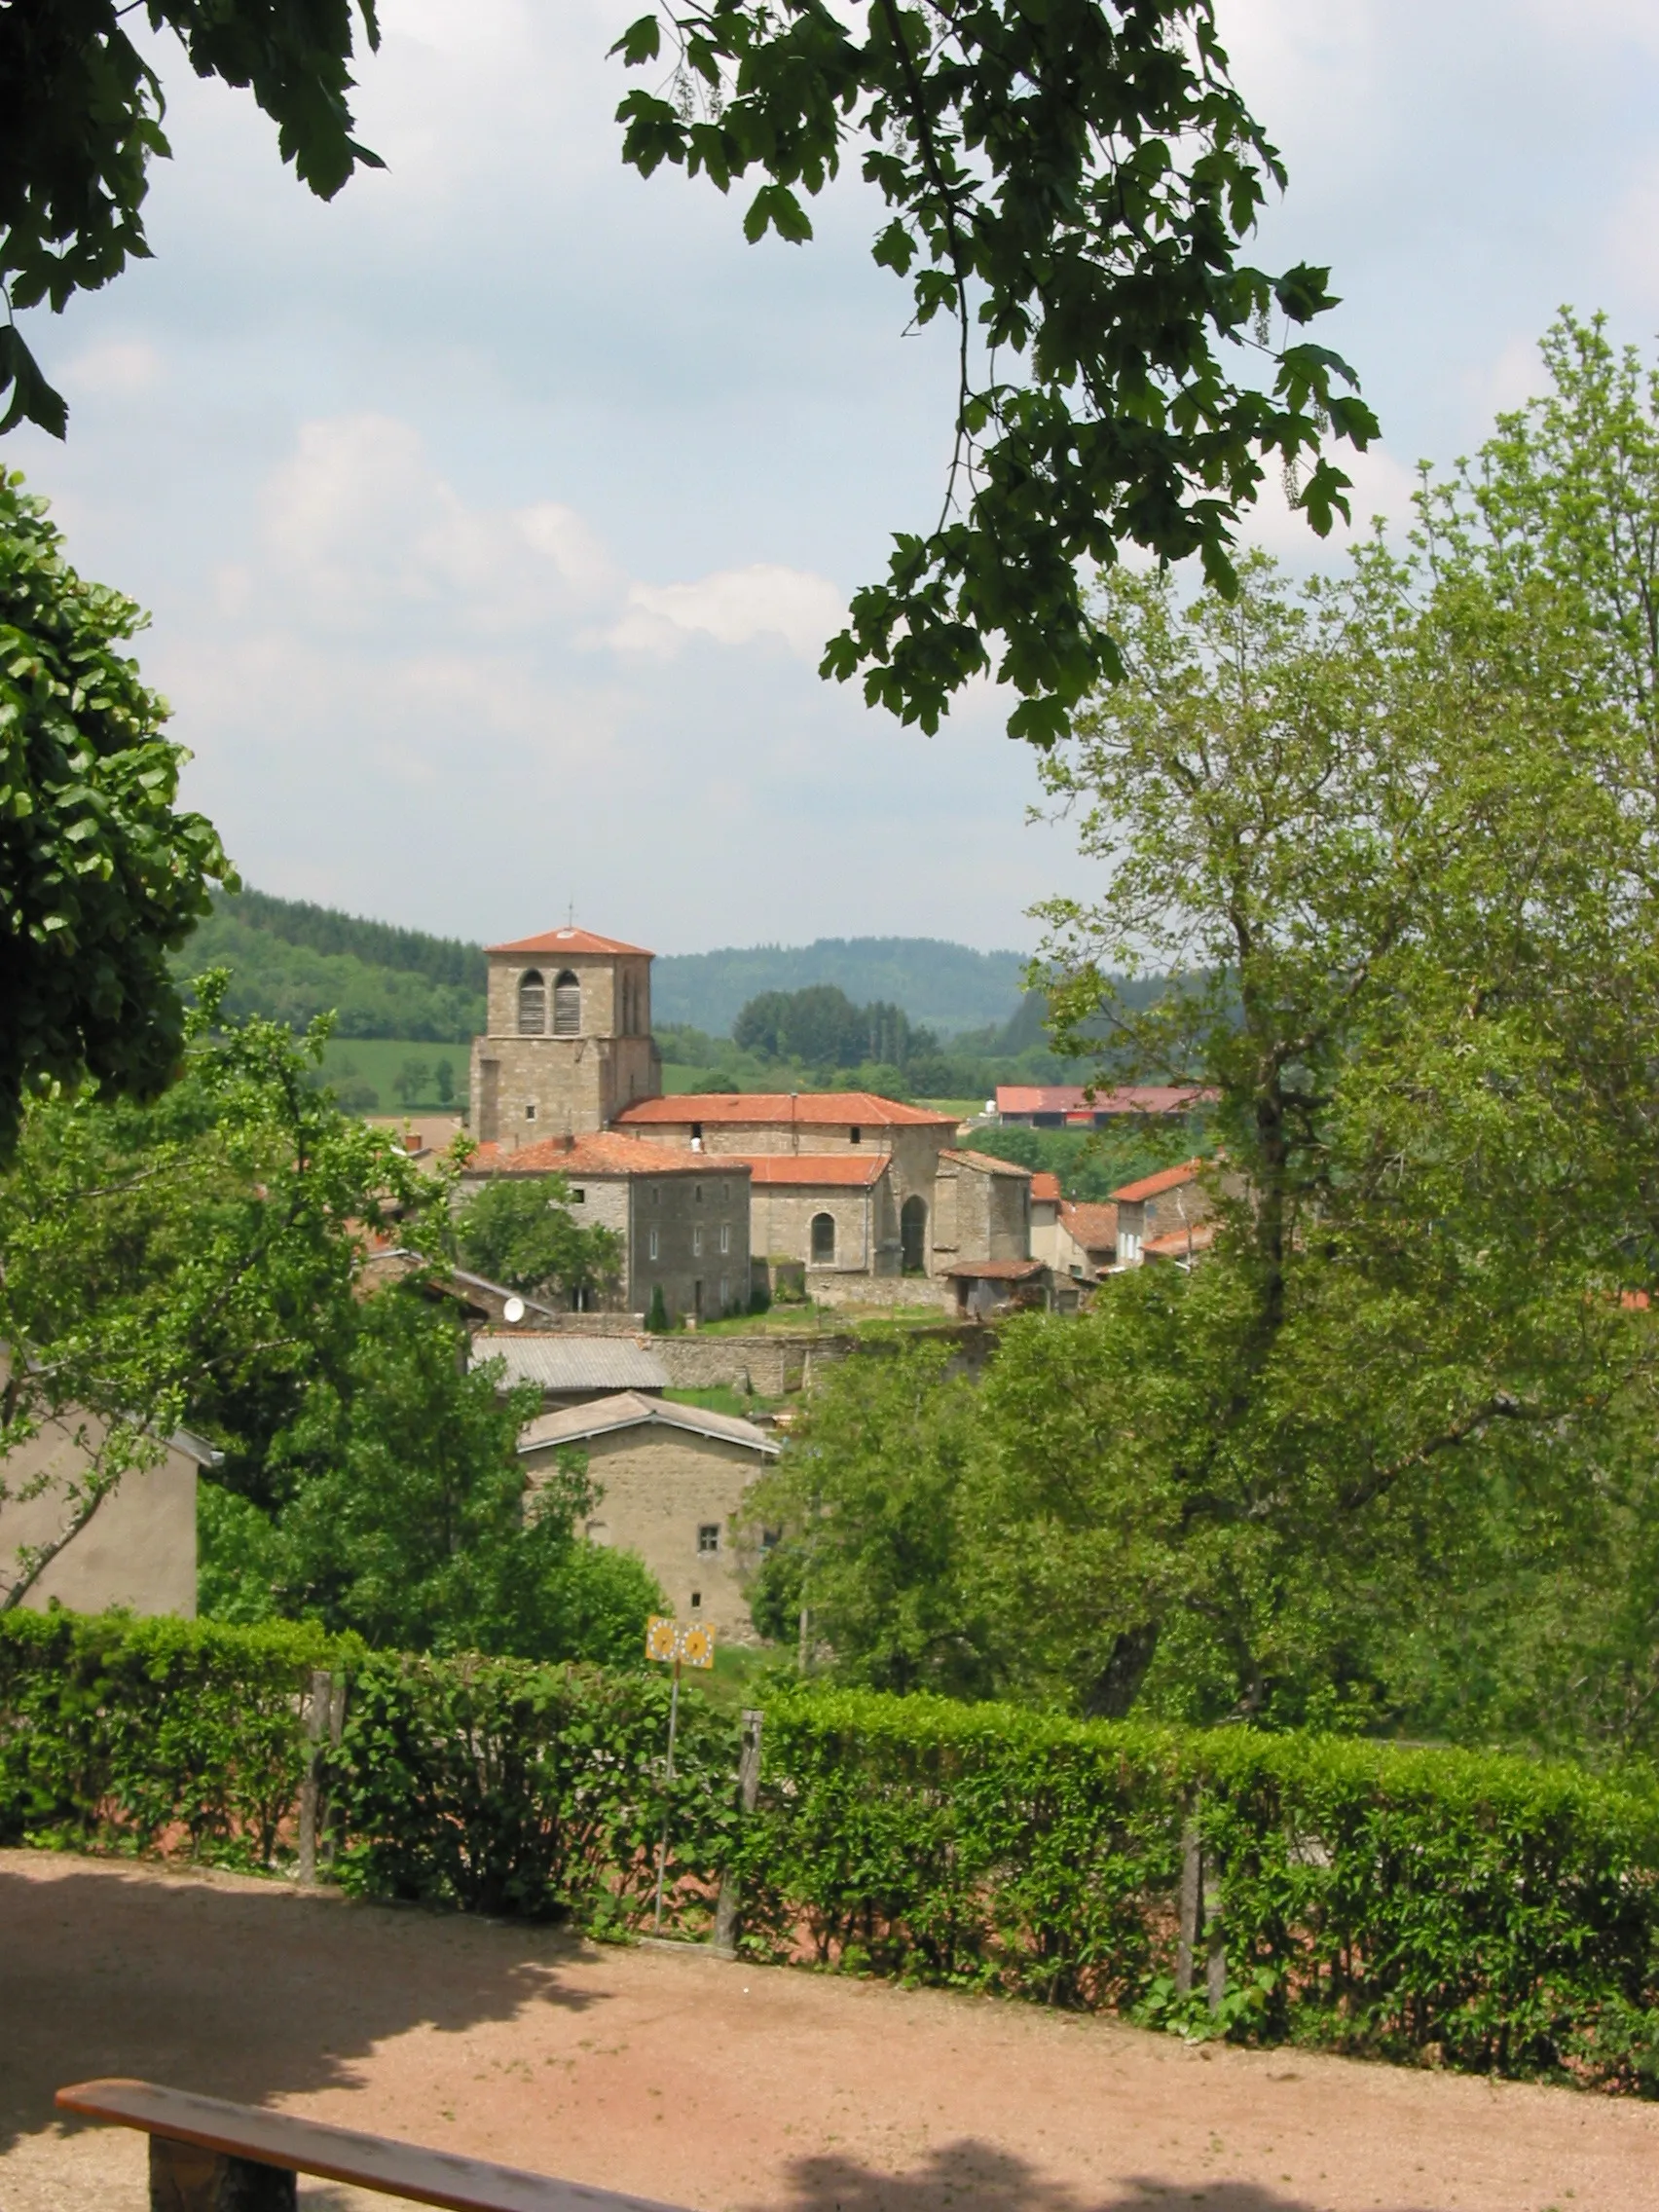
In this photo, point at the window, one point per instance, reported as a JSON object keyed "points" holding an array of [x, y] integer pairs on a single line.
{"points": [[579, 1198], [697, 1240], [653, 1244], [696, 1599], [567, 1006], [532, 1003], [529, 1111], [725, 1235], [708, 1537], [823, 1239], [855, 1136], [697, 1193], [656, 1193], [770, 1539]]}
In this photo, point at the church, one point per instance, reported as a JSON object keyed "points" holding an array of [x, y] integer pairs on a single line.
{"points": [[869, 1198]]}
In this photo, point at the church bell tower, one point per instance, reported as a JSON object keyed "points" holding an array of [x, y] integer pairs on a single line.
{"points": [[568, 1040]]}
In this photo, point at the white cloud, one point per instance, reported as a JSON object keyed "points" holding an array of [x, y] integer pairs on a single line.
{"points": [[1381, 486], [735, 607], [115, 367]]}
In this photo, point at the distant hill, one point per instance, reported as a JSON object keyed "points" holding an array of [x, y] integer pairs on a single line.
{"points": [[290, 959], [942, 986], [291, 962]]}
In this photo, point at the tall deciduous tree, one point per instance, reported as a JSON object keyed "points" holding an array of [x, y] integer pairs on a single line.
{"points": [[519, 1231], [191, 1261], [101, 876]]}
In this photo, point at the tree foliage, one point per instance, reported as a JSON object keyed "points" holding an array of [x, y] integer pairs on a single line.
{"points": [[1072, 185], [99, 877], [84, 111], [519, 1231], [1385, 1458]]}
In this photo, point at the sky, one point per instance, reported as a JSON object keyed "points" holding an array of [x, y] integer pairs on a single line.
{"points": [[493, 516]]}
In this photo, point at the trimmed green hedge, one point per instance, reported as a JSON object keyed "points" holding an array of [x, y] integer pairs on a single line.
{"points": [[1486, 1912]]}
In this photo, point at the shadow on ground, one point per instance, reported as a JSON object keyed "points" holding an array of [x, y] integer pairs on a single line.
{"points": [[238, 1991], [980, 2177]]}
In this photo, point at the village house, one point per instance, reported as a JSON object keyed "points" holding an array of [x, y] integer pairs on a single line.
{"points": [[138, 1548], [669, 1482], [1169, 1215], [682, 1217]]}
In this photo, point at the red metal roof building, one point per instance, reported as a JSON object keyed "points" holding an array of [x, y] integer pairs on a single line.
{"points": [[1069, 1105]]}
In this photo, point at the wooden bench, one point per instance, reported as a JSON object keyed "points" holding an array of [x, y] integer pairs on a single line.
{"points": [[207, 2156]]}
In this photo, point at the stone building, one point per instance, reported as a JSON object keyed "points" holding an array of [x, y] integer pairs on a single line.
{"points": [[670, 1480], [139, 1549], [867, 1196], [682, 1216], [568, 1040], [1159, 1215]]}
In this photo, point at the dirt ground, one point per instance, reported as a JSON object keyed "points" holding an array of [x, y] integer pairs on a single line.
{"points": [[712, 2086]]}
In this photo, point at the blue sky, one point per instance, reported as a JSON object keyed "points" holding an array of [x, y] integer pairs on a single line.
{"points": [[492, 517]]}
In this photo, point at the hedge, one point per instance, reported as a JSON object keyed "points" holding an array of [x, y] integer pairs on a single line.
{"points": [[1483, 1912]]}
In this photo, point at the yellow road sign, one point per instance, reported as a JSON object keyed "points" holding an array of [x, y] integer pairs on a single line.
{"points": [[691, 1642]]}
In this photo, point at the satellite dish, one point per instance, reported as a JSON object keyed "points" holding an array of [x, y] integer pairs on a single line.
{"points": [[513, 1311]]}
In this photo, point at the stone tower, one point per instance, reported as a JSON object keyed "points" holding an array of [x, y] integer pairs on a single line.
{"points": [[568, 1038]]}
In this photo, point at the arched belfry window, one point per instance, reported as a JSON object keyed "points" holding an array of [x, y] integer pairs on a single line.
{"points": [[532, 1004], [567, 1006], [823, 1239], [914, 1235]]}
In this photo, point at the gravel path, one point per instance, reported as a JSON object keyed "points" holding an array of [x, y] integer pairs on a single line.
{"points": [[716, 2086]]}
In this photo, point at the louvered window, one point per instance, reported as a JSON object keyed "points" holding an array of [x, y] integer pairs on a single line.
{"points": [[567, 1006], [532, 1004]]}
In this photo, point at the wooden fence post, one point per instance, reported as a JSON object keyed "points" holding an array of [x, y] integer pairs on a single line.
{"points": [[1188, 1926], [330, 1825], [749, 1789], [317, 1708]]}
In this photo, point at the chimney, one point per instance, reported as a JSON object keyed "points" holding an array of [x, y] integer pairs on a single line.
{"points": [[412, 1141]]}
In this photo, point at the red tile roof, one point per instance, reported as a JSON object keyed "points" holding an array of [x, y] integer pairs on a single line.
{"points": [[986, 1162], [600, 1154], [808, 1167], [569, 940], [1176, 1244], [1166, 1179], [1073, 1098], [1045, 1190], [1095, 1228], [815, 1109]]}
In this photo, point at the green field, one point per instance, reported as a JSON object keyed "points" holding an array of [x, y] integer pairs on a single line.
{"points": [[377, 1061]]}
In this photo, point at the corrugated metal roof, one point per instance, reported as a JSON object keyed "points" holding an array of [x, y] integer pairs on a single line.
{"points": [[573, 1423], [573, 1363]]}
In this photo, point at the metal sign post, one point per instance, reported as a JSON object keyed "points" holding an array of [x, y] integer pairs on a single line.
{"points": [[688, 1646]]}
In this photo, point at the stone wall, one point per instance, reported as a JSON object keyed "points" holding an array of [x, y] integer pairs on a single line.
{"points": [[524, 1088], [686, 1218]]}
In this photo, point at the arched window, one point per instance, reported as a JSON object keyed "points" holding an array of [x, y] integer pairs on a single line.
{"points": [[823, 1239], [532, 1004], [567, 1006], [913, 1237]]}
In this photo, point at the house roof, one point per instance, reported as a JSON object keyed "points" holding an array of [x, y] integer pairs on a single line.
{"points": [[816, 1109], [1045, 1190], [570, 940], [856, 1169], [601, 1154], [986, 1162], [1176, 1244], [1073, 1098], [1166, 1179], [1095, 1228], [997, 1270], [573, 1363], [572, 1424]]}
